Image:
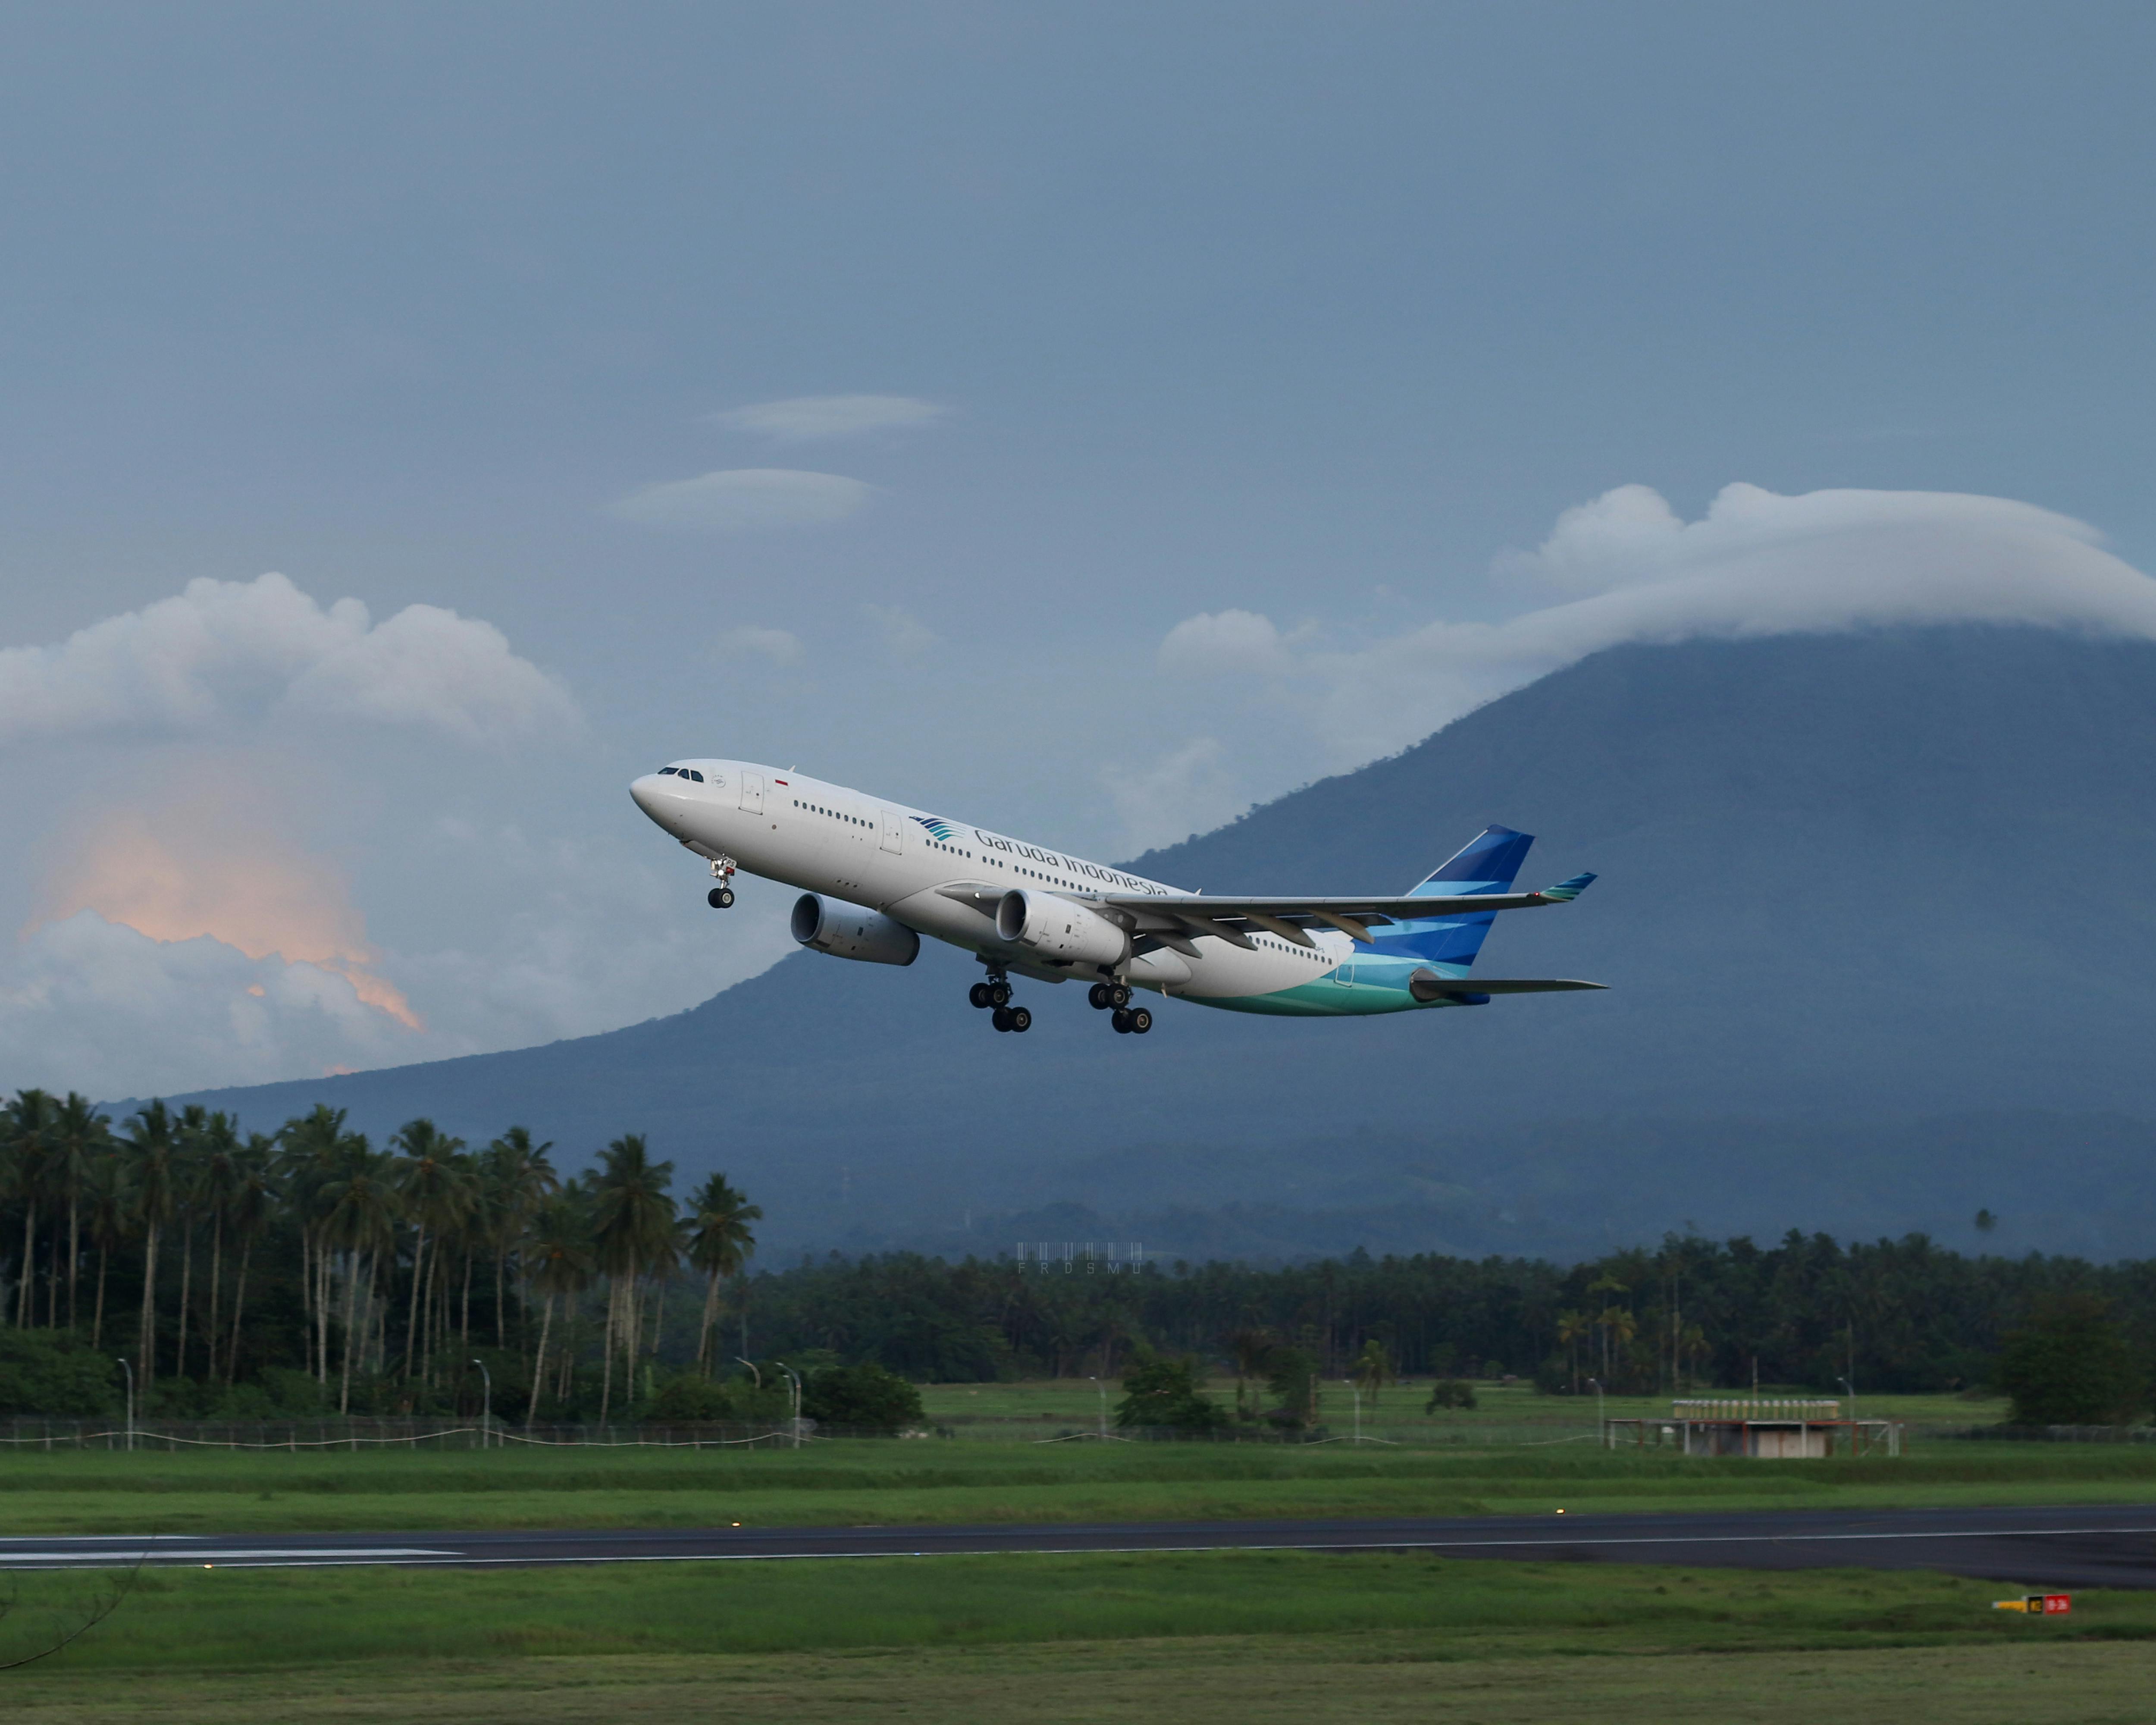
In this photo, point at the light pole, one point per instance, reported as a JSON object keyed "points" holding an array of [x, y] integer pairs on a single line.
{"points": [[1103, 1389], [125, 1367], [486, 1408], [1601, 1424], [796, 1377], [1356, 1390], [751, 1364], [1854, 1434]]}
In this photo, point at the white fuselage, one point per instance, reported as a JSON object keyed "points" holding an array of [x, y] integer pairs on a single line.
{"points": [[823, 837]]}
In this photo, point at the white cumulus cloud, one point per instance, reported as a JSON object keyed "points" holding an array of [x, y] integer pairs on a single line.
{"points": [[781, 646], [746, 498], [803, 418], [906, 634], [1757, 563], [220, 649]]}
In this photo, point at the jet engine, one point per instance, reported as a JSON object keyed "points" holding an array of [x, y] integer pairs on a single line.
{"points": [[1054, 928], [844, 931]]}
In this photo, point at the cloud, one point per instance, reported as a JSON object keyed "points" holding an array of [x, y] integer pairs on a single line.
{"points": [[803, 418], [90, 1005], [903, 633], [1224, 643], [778, 645], [201, 867], [1169, 798], [746, 498], [221, 649], [1757, 563]]}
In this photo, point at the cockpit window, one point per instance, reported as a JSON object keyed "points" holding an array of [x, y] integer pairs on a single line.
{"points": [[695, 775], [664, 771]]}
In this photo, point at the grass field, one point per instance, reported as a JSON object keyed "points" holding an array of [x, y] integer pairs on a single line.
{"points": [[1077, 1403], [867, 1481], [1253, 1636], [1215, 1635], [864, 1482]]}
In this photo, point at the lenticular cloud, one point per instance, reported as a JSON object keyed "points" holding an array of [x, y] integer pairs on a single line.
{"points": [[1757, 563]]}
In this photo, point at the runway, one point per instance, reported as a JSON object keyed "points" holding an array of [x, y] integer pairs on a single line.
{"points": [[2101, 1547]]}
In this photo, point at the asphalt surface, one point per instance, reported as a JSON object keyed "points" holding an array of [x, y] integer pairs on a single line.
{"points": [[2102, 1546]]}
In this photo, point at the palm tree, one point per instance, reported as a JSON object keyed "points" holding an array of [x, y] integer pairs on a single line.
{"points": [[1372, 1368], [80, 1137], [1572, 1327], [311, 1148], [360, 1208], [107, 1202], [516, 1178], [437, 1195], [152, 1144], [249, 1206], [721, 1244], [559, 1254], [632, 1232], [29, 1127], [216, 1184]]}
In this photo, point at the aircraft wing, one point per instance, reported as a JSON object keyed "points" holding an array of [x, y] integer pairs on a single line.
{"points": [[1232, 918]]}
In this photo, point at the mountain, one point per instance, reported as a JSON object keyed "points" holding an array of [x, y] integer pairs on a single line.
{"points": [[1873, 908]]}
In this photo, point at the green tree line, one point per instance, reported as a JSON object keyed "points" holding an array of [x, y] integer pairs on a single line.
{"points": [[311, 1263], [243, 1273]]}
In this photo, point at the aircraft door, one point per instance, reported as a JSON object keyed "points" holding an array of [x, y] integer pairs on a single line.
{"points": [[893, 833], [752, 794]]}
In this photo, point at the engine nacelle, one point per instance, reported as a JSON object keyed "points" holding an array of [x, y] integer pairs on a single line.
{"points": [[1050, 928], [844, 931]]}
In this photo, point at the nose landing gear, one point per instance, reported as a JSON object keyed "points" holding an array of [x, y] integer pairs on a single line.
{"points": [[721, 896]]}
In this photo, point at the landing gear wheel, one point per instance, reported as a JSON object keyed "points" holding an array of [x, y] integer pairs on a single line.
{"points": [[1020, 1019], [999, 993], [1120, 1020], [1141, 1020], [1002, 1020], [1096, 997], [720, 898], [1118, 994], [979, 994]]}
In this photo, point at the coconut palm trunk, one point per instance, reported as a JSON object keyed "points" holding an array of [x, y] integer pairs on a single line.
{"points": [[539, 1361], [350, 1329], [147, 1345], [25, 1311], [187, 1276], [74, 1251], [238, 1305], [418, 1275]]}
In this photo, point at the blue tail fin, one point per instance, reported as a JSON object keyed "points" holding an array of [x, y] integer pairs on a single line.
{"points": [[1489, 863]]}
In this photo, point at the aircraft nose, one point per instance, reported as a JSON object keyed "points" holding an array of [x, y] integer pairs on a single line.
{"points": [[648, 794]]}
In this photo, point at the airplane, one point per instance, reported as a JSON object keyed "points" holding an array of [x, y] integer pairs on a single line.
{"points": [[877, 875]]}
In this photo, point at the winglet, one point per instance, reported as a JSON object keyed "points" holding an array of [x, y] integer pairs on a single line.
{"points": [[1565, 892]]}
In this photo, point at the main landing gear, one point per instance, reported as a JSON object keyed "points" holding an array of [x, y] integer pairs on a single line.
{"points": [[995, 994], [721, 896], [1114, 998]]}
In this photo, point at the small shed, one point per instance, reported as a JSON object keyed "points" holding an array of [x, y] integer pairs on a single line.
{"points": [[1768, 1428]]}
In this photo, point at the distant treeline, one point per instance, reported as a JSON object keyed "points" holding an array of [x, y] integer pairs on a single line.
{"points": [[251, 1276], [1896, 1314]]}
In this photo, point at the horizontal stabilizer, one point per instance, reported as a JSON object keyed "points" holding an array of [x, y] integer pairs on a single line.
{"points": [[1427, 985]]}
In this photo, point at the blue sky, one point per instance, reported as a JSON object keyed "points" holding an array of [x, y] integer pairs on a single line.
{"points": [[1325, 317]]}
